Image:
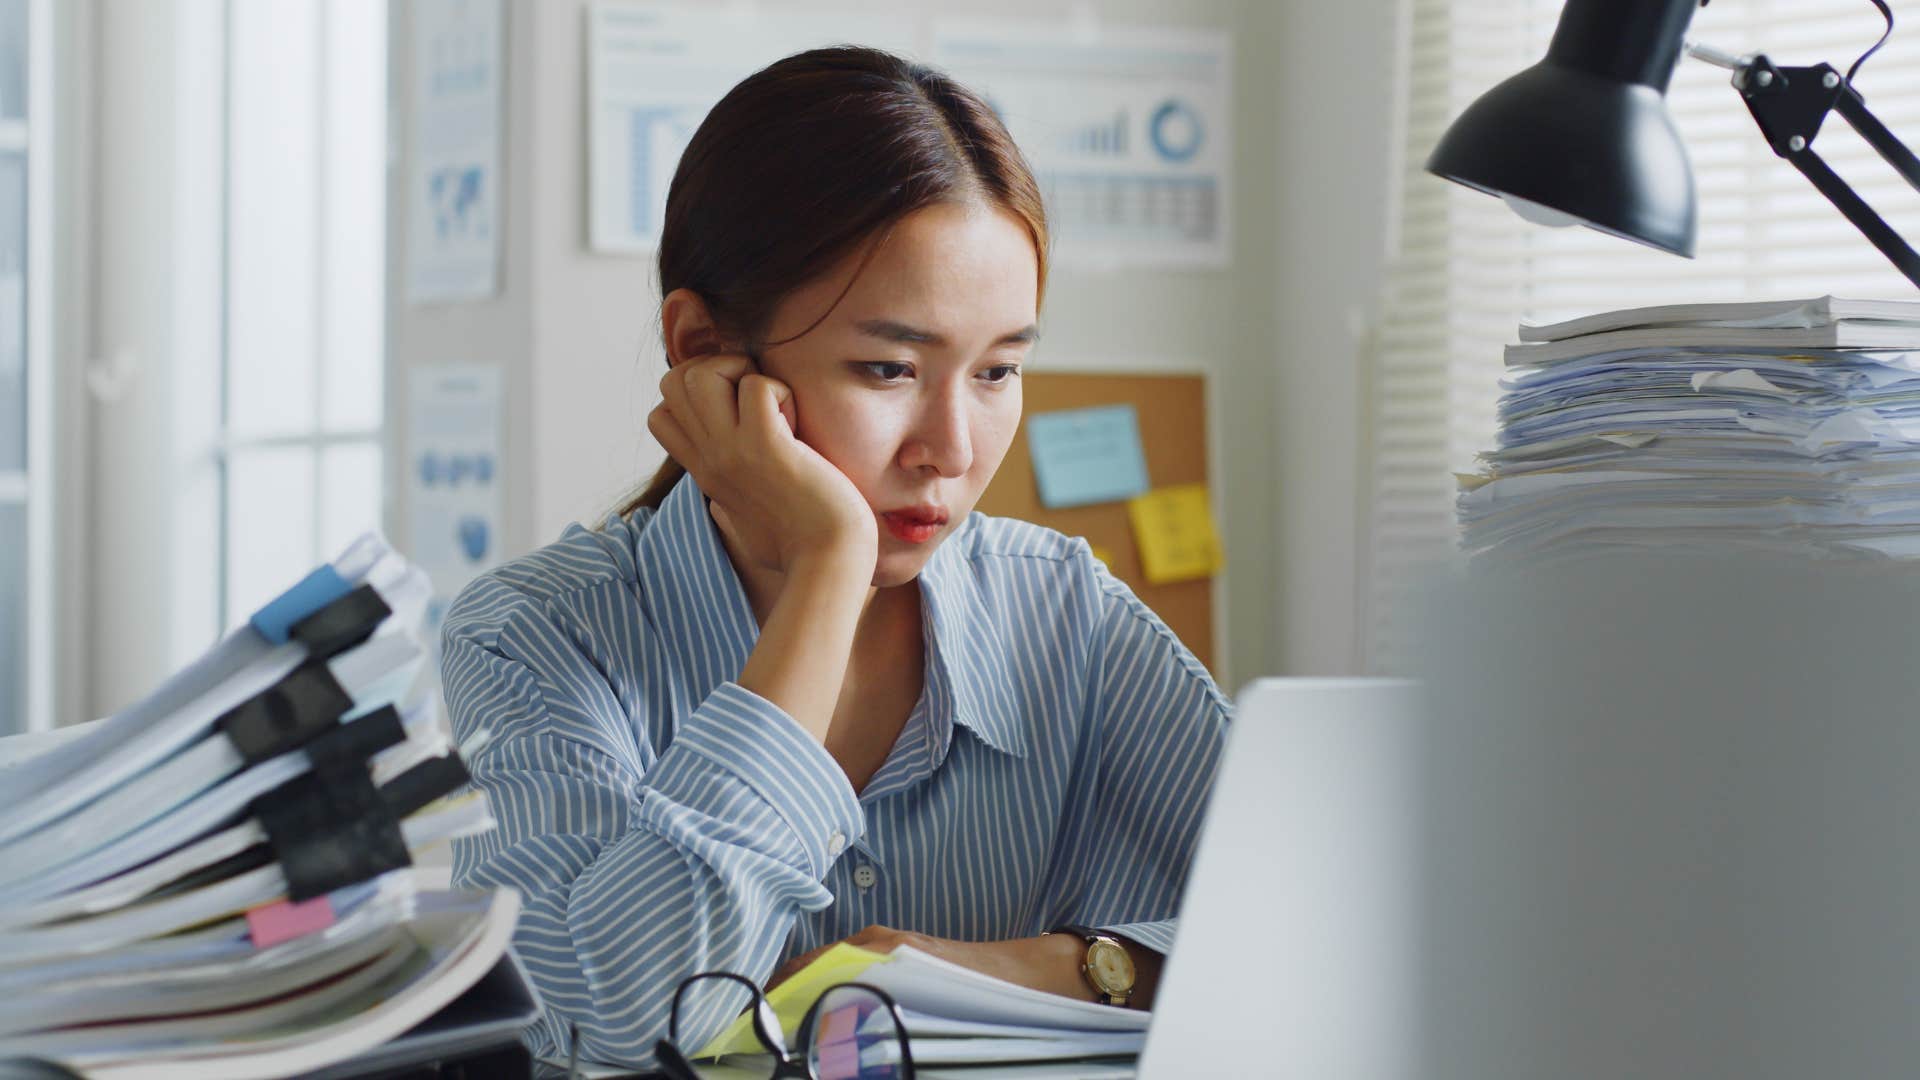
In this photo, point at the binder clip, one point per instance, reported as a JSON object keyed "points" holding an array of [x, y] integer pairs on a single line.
{"points": [[286, 715], [332, 827], [342, 624], [324, 613], [274, 621], [307, 702]]}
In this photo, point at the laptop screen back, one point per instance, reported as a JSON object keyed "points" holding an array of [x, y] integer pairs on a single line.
{"points": [[1295, 949]]}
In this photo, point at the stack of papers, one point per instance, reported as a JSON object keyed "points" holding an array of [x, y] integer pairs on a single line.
{"points": [[1790, 426], [961, 1018], [213, 882]]}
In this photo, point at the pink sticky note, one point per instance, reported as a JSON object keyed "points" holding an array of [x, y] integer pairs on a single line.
{"points": [[285, 920]]}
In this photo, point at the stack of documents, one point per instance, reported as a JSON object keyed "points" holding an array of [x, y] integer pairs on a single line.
{"points": [[214, 881], [1791, 426], [962, 1021]]}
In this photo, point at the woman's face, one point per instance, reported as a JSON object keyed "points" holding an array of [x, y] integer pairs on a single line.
{"points": [[911, 385]]}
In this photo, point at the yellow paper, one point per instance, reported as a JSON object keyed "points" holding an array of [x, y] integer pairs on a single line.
{"points": [[1105, 555], [791, 999], [1174, 528]]}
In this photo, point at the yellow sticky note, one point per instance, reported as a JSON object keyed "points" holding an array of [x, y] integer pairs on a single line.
{"points": [[1105, 555], [1174, 528], [791, 999]]}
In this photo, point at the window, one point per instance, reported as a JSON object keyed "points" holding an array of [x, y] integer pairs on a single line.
{"points": [[1467, 271], [26, 488], [302, 384]]}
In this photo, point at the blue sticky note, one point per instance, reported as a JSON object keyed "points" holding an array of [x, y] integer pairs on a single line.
{"points": [[1087, 456]]}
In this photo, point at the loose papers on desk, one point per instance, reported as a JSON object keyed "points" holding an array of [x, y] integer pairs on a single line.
{"points": [[213, 881], [954, 1015], [1821, 311], [1756, 441]]}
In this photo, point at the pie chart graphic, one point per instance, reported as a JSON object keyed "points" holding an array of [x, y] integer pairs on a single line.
{"points": [[1176, 131]]}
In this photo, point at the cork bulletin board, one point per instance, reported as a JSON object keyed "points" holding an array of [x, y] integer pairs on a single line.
{"points": [[1172, 410]]}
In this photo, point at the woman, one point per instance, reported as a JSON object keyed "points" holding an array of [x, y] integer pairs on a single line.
{"points": [[794, 693]]}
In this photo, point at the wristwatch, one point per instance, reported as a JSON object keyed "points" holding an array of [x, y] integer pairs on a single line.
{"points": [[1107, 966]]}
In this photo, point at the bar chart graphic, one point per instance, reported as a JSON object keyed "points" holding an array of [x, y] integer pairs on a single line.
{"points": [[1128, 129]]}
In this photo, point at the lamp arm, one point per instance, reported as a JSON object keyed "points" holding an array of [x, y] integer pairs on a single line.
{"points": [[1789, 104], [1884, 142]]}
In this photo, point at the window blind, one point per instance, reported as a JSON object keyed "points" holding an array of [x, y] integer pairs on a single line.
{"points": [[1465, 270]]}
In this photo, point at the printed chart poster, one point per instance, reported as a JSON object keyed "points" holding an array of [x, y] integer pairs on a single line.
{"points": [[654, 70], [453, 190], [1129, 129], [454, 504]]}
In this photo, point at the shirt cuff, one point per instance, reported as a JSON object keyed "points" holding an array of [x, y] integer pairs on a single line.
{"points": [[741, 733], [1157, 936]]}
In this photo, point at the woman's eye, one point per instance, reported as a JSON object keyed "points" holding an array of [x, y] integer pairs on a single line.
{"points": [[888, 370], [1000, 372]]}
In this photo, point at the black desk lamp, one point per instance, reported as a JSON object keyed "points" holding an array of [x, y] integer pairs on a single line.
{"points": [[1583, 137]]}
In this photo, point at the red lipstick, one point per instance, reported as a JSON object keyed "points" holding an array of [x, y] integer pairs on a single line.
{"points": [[915, 525]]}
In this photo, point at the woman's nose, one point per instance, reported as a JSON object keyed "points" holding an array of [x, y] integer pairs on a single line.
{"points": [[940, 438]]}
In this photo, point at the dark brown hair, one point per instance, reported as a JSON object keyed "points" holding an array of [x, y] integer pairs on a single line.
{"points": [[806, 159]]}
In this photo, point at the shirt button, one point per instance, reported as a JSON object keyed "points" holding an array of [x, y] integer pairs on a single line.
{"points": [[864, 876], [836, 843]]}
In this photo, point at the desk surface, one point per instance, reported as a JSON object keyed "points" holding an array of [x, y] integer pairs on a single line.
{"points": [[548, 1070]]}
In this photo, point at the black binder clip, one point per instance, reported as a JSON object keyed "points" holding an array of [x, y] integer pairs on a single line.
{"points": [[351, 745], [425, 782], [342, 624], [330, 832], [286, 715], [332, 827], [307, 702]]}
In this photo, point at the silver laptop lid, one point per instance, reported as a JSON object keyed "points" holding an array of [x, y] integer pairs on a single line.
{"points": [[1295, 949]]}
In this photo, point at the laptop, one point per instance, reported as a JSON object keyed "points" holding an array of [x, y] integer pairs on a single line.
{"points": [[1295, 947]]}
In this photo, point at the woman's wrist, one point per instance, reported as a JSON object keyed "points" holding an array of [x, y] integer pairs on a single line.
{"points": [[1050, 962], [801, 657], [1063, 958], [844, 560], [1063, 964]]}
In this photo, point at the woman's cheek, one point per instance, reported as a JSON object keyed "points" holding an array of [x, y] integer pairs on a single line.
{"points": [[859, 439], [820, 419], [996, 434]]}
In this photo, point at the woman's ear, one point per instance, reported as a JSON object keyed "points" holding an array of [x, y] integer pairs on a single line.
{"points": [[688, 329]]}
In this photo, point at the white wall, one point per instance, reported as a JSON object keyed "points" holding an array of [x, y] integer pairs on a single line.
{"points": [[576, 334], [1331, 112]]}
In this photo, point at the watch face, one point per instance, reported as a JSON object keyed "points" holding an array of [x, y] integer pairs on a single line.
{"points": [[1110, 966]]}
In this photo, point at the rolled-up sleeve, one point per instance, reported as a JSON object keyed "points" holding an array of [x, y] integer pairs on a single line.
{"points": [[638, 870], [1155, 727]]}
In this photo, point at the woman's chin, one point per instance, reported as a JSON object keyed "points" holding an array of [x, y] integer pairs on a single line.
{"points": [[899, 567]]}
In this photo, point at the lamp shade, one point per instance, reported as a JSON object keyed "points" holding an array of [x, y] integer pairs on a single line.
{"points": [[1585, 134]]}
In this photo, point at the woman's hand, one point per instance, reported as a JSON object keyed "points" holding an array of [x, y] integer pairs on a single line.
{"points": [[733, 430], [1050, 962]]}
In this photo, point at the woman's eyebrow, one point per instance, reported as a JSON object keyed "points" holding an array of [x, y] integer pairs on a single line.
{"points": [[899, 332]]}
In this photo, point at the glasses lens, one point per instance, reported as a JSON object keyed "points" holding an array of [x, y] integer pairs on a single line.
{"points": [[855, 1038]]}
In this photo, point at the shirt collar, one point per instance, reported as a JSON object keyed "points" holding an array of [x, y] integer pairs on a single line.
{"points": [[696, 599], [967, 654], [690, 587]]}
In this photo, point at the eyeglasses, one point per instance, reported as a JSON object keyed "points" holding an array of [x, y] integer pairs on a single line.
{"points": [[853, 1032]]}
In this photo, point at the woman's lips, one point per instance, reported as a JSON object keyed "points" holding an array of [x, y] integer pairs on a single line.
{"points": [[914, 526]]}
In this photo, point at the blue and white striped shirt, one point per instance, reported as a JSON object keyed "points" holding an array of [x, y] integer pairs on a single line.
{"points": [[660, 820]]}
